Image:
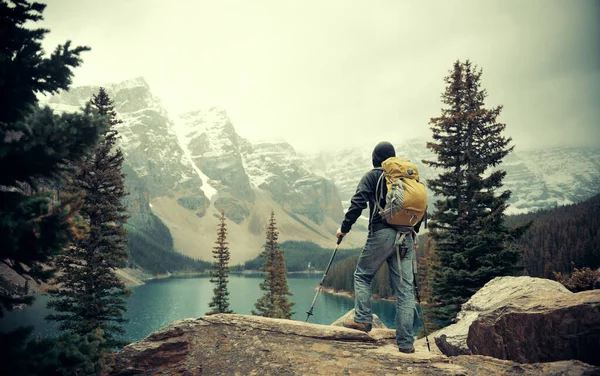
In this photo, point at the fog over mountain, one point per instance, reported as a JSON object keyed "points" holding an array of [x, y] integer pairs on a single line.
{"points": [[331, 75]]}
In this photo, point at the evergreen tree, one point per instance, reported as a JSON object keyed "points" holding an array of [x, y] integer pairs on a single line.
{"points": [[220, 271], [471, 240], [35, 148], [89, 296], [68, 354], [274, 302]]}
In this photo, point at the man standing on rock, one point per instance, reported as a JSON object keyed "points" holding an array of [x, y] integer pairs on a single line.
{"points": [[381, 246]]}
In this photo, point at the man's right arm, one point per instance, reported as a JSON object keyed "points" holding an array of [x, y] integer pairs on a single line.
{"points": [[358, 203]]}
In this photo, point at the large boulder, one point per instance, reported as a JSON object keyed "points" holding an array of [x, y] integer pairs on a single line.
{"points": [[249, 345], [542, 328], [452, 340], [527, 320]]}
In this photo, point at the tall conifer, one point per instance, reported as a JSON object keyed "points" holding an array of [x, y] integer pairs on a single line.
{"points": [[89, 296], [274, 302], [36, 147], [471, 240], [220, 271]]}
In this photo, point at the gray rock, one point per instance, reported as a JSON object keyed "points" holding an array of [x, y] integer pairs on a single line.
{"points": [[452, 340], [527, 320], [234, 209], [541, 328]]}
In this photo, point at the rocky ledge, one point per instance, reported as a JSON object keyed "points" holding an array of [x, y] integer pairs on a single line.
{"points": [[249, 345]]}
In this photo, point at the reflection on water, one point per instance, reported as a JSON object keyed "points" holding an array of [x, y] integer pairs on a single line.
{"points": [[160, 302]]}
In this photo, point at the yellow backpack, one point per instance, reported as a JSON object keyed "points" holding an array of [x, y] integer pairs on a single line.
{"points": [[406, 199]]}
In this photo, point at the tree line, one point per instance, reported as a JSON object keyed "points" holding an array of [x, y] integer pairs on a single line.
{"points": [[561, 239]]}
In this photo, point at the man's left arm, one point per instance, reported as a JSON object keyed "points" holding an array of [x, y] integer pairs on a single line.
{"points": [[358, 203]]}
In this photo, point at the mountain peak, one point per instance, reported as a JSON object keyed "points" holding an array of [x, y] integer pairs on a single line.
{"points": [[129, 84]]}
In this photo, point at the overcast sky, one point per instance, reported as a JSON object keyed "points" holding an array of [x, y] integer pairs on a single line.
{"points": [[326, 74]]}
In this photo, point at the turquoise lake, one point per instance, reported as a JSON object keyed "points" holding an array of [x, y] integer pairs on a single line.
{"points": [[160, 302]]}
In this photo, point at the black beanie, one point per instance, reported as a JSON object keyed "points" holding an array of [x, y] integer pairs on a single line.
{"points": [[382, 151]]}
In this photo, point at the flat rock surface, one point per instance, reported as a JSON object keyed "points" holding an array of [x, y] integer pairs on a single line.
{"points": [[250, 345]]}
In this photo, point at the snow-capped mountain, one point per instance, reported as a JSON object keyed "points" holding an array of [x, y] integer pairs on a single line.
{"points": [[240, 170], [150, 145], [537, 179], [195, 166], [547, 178], [278, 170], [214, 149]]}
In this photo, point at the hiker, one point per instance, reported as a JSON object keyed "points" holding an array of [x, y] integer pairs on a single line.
{"points": [[380, 246]]}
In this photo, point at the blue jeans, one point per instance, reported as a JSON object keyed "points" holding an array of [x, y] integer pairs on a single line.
{"points": [[379, 248]]}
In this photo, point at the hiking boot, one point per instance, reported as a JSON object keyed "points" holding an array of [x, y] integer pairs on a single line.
{"points": [[406, 351], [362, 326]]}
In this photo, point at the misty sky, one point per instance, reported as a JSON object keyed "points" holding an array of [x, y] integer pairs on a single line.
{"points": [[328, 74]]}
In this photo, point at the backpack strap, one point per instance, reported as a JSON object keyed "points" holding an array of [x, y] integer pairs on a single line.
{"points": [[376, 198], [378, 191]]}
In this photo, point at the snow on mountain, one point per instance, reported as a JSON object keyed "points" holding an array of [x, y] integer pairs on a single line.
{"points": [[150, 146], [241, 168], [212, 145], [276, 168], [537, 179]]}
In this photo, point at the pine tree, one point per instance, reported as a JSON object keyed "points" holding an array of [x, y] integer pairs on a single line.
{"points": [[35, 148], [274, 302], [68, 354], [89, 296], [220, 271], [471, 240]]}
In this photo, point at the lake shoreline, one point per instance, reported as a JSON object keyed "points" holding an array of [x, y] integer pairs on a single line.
{"points": [[137, 277], [326, 290]]}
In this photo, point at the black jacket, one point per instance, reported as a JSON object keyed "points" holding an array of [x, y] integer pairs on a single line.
{"points": [[365, 195]]}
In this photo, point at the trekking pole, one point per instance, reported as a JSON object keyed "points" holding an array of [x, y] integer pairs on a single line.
{"points": [[310, 311], [423, 310]]}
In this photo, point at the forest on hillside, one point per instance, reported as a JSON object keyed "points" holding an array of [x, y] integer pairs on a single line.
{"points": [[302, 256], [150, 246], [561, 238]]}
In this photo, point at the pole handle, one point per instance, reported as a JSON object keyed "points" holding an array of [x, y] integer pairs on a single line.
{"points": [[339, 240]]}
